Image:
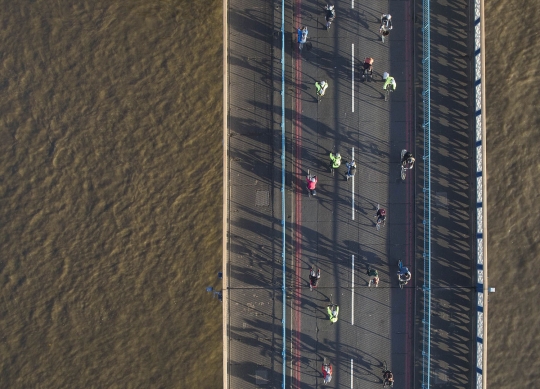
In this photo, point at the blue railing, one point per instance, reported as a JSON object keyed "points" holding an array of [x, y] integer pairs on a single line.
{"points": [[283, 288], [426, 321], [481, 259]]}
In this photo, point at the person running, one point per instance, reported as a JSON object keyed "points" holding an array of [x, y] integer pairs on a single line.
{"points": [[374, 277], [408, 160], [351, 169], [321, 87], [381, 216], [336, 160], [333, 311], [311, 184], [388, 80], [330, 15]]}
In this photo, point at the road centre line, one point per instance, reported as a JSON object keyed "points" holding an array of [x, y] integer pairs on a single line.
{"points": [[352, 292], [352, 373], [352, 186], [352, 78]]}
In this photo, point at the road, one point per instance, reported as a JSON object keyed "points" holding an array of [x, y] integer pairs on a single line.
{"points": [[335, 230]]}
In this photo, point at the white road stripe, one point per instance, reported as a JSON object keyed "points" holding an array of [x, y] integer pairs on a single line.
{"points": [[352, 292], [352, 373], [352, 4], [352, 78], [352, 187]]}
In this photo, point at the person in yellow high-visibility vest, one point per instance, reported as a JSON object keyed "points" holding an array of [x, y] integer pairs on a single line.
{"points": [[333, 311]]}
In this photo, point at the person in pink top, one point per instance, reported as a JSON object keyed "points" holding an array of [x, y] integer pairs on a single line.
{"points": [[311, 184]]}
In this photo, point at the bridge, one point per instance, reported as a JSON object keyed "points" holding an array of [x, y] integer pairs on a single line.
{"points": [[276, 330]]}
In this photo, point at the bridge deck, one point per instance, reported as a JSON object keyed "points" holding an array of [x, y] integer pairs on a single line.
{"points": [[335, 231]]}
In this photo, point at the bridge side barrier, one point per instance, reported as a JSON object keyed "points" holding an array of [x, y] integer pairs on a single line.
{"points": [[283, 238], [426, 321], [481, 196]]}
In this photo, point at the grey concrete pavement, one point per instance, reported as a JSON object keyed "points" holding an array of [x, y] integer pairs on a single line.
{"points": [[252, 266]]}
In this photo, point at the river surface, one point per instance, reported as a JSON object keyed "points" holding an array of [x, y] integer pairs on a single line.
{"points": [[110, 193], [513, 141]]}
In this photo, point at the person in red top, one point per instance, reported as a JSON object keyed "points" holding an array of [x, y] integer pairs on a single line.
{"points": [[381, 216], [311, 184], [327, 372], [368, 68]]}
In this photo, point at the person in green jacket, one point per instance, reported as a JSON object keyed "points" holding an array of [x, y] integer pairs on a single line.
{"points": [[374, 277], [389, 80], [336, 160], [333, 311], [321, 87]]}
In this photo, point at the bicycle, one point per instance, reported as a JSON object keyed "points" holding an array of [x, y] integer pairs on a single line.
{"points": [[387, 381], [384, 32], [388, 90], [402, 270], [403, 168]]}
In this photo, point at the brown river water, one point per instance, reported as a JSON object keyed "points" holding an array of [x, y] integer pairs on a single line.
{"points": [[110, 193], [513, 140]]}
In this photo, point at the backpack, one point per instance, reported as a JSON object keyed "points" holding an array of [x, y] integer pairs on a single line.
{"points": [[372, 273]]}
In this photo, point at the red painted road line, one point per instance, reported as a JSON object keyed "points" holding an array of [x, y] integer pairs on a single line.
{"points": [[409, 205], [298, 234]]}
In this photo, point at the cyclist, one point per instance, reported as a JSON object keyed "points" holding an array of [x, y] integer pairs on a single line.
{"points": [[375, 274], [408, 160], [302, 36], [330, 15], [381, 216], [386, 22], [404, 275], [314, 277], [388, 80], [311, 184], [336, 160], [321, 87], [368, 67], [351, 169], [333, 311], [388, 378], [386, 25], [327, 372]]}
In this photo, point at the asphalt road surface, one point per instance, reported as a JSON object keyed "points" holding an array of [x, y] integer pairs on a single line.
{"points": [[336, 229]]}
